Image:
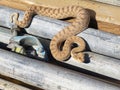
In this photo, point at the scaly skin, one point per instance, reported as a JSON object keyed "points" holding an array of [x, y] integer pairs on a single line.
{"points": [[79, 24]]}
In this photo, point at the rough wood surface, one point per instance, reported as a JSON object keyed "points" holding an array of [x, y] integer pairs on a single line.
{"points": [[107, 16]]}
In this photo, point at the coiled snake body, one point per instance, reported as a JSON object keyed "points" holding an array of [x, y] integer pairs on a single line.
{"points": [[79, 24]]}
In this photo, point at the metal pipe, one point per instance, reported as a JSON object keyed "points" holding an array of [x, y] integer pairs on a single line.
{"points": [[47, 76], [6, 85], [98, 63], [112, 2], [98, 41]]}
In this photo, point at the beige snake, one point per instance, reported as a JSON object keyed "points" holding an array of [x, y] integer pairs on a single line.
{"points": [[67, 34]]}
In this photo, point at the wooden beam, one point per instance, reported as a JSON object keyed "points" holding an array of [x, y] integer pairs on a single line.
{"points": [[105, 17]]}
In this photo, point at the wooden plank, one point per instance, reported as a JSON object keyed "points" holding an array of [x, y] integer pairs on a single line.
{"points": [[107, 16], [108, 27]]}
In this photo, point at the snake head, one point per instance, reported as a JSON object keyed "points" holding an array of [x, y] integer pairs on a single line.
{"points": [[14, 17]]}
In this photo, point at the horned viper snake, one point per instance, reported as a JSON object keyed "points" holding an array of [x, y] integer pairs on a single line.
{"points": [[79, 24]]}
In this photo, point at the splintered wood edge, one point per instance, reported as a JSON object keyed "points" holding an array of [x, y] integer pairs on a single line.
{"points": [[105, 17]]}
